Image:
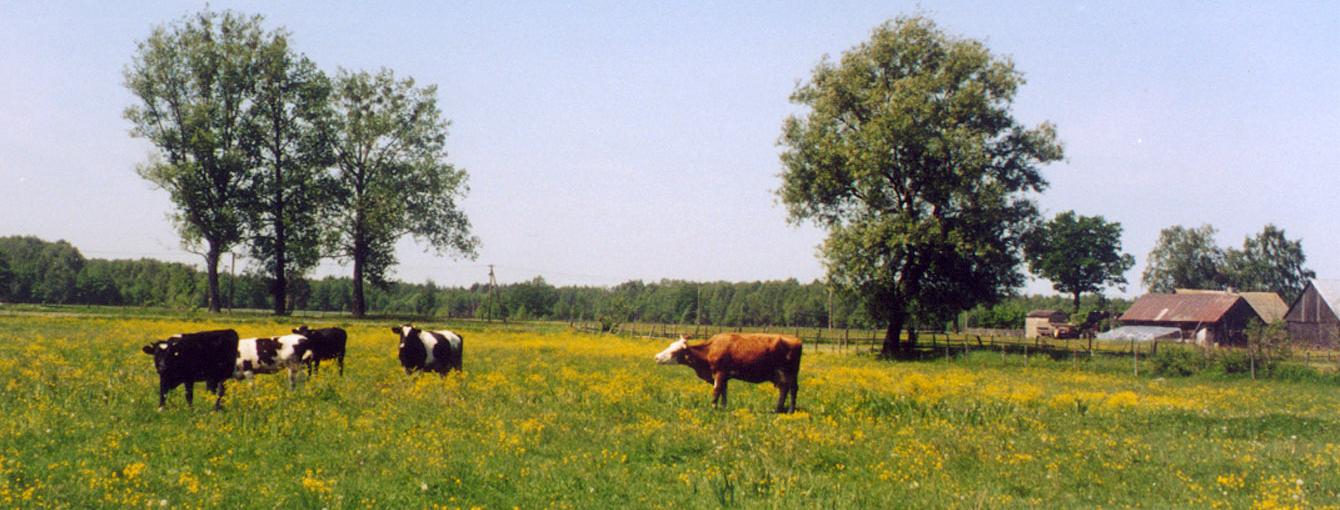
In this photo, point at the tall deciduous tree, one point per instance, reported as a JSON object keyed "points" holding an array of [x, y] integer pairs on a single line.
{"points": [[1077, 254], [392, 176], [1271, 262], [195, 83], [288, 134], [1184, 258], [911, 159]]}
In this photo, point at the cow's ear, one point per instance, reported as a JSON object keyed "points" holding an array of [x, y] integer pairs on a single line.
{"points": [[395, 330], [148, 349]]}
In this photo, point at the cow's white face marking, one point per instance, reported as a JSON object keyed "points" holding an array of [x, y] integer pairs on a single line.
{"points": [[404, 330], [288, 346], [246, 351], [429, 341], [667, 357]]}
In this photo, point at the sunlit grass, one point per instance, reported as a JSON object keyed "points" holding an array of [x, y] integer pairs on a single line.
{"points": [[557, 419]]}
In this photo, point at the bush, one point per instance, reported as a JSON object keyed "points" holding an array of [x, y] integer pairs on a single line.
{"points": [[1233, 361], [1177, 362]]}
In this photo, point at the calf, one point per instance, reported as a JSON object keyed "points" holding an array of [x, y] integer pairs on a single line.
{"points": [[429, 351], [269, 355], [748, 357], [325, 343], [189, 357]]}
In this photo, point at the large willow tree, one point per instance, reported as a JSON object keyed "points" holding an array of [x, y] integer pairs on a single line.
{"points": [[908, 154]]}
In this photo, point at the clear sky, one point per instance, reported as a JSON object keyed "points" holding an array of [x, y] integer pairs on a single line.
{"points": [[617, 140]]}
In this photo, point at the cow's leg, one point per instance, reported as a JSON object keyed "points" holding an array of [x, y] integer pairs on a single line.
{"points": [[719, 389], [190, 393], [292, 377], [786, 384], [163, 389], [795, 387], [313, 366], [218, 400], [340, 360]]}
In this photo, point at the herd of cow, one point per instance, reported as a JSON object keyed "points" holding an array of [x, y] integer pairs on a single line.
{"points": [[216, 356]]}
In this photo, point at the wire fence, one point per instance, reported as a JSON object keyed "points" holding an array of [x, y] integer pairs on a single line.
{"points": [[952, 346]]}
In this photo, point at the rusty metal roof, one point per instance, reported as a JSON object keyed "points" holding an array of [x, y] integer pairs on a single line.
{"points": [[1268, 305], [1200, 308]]}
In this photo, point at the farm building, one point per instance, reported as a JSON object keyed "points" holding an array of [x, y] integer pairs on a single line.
{"points": [[1312, 318], [1268, 305], [1042, 319], [1208, 319]]}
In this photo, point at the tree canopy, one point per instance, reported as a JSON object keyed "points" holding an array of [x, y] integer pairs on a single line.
{"points": [[288, 135], [1189, 258], [1269, 261], [1077, 254], [194, 82], [392, 178], [1184, 258], [908, 154]]}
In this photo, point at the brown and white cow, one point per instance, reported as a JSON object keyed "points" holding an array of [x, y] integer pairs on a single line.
{"points": [[750, 357], [270, 355]]}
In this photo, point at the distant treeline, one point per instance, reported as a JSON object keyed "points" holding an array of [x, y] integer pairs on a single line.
{"points": [[37, 271]]}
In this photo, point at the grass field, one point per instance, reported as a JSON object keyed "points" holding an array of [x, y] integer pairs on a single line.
{"points": [[549, 418]]}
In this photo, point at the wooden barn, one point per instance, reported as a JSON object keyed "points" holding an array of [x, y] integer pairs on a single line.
{"points": [[1037, 320], [1312, 319], [1208, 319]]}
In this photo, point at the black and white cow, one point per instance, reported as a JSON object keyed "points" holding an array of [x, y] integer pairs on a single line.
{"points": [[207, 356], [429, 351], [325, 343], [270, 355]]}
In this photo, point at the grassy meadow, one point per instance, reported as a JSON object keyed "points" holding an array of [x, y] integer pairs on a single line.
{"points": [[551, 418]]}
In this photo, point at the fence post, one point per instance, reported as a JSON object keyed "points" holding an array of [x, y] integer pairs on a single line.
{"points": [[1135, 357], [1025, 354]]}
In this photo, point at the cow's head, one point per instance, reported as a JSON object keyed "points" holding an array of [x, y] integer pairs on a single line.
{"points": [[406, 330], [162, 351], [674, 353], [302, 330]]}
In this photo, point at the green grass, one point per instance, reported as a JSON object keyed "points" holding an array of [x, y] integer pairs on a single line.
{"points": [[550, 418]]}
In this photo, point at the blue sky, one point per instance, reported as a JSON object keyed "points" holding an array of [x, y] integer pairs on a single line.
{"points": [[609, 141]]}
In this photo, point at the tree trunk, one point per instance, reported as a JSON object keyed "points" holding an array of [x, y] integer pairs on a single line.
{"points": [[360, 307], [212, 270], [911, 342], [1075, 307], [895, 326], [280, 289]]}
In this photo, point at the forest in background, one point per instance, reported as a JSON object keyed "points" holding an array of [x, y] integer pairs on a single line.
{"points": [[41, 272]]}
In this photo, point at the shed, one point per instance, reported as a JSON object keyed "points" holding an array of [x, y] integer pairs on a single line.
{"points": [[1037, 318], [1213, 318], [1267, 305], [1312, 319]]}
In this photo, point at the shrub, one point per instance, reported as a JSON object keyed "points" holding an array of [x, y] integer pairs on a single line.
{"points": [[1233, 361], [1177, 362]]}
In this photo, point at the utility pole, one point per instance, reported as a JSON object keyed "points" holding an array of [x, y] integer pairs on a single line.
{"points": [[493, 296], [830, 307], [698, 317]]}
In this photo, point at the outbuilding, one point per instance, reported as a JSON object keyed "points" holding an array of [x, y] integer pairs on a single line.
{"points": [[1207, 319], [1312, 320], [1042, 320]]}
